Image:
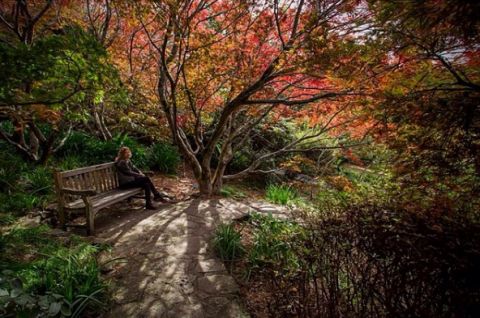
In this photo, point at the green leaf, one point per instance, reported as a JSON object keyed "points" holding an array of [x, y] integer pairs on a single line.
{"points": [[24, 299], [15, 292], [66, 310], [3, 292], [54, 309]]}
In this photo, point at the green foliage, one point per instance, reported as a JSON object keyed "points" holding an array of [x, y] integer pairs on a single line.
{"points": [[328, 199], [271, 243], [70, 162], [280, 194], [23, 186], [38, 181], [227, 242], [61, 279], [2, 239], [54, 65], [17, 302], [241, 160], [72, 272], [11, 167], [91, 150], [163, 157], [6, 219], [20, 202]]}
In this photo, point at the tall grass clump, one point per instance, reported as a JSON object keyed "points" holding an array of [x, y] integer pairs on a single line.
{"points": [[227, 242], [279, 194]]}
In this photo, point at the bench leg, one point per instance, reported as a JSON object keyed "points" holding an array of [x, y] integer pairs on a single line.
{"points": [[90, 216], [61, 218]]}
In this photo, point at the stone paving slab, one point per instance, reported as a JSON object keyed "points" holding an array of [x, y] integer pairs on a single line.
{"points": [[169, 268]]}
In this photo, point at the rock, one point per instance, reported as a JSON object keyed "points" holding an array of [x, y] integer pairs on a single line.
{"points": [[209, 265], [305, 179], [217, 284]]}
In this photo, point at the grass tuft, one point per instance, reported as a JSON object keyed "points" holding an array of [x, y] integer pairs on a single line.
{"points": [[280, 194]]}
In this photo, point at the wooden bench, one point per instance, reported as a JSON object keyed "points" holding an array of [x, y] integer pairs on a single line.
{"points": [[89, 189]]}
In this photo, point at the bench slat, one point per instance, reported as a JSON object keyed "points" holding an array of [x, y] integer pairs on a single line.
{"points": [[104, 179], [104, 199], [73, 172]]}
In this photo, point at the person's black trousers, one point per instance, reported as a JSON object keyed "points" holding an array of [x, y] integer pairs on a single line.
{"points": [[146, 184]]}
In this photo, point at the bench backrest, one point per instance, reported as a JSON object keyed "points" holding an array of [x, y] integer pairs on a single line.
{"points": [[102, 178]]}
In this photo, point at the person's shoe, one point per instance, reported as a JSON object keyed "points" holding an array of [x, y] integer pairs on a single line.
{"points": [[150, 206], [159, 198]]}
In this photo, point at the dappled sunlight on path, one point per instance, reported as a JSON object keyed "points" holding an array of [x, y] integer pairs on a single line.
{"points": [[169, 268]]}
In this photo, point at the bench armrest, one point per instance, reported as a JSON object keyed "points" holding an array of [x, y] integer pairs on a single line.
{"points": [[87, 192]]}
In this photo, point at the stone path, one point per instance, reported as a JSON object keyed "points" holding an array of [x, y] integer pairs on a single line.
{"points": [[169, 267]]}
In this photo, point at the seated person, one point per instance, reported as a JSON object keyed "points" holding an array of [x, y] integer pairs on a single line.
{"points": [[131, 177]]}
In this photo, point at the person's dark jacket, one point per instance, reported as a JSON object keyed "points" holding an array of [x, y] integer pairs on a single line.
{"points": [[126, 171]]}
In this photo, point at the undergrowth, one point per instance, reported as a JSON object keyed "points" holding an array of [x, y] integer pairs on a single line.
{"points": [[361, 263], [41, 275], [280, 194]]}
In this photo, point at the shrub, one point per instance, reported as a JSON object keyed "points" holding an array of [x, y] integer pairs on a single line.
{"points": [[38, 181], [279, 194], [241, 160], [2, 243], [227, 242], [11, 167], [271, 243], [72, 272], [91, 150], [20, 202], [362, 264], [163, 157], [70, 162]]}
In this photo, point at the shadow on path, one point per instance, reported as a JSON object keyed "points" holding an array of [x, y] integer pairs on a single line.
{"points": [[169, 268]]}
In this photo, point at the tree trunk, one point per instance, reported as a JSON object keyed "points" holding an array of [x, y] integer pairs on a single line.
{"points": [[205, 186]]}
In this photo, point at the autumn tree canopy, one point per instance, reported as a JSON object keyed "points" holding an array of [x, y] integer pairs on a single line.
{"points": [[210, 72]]}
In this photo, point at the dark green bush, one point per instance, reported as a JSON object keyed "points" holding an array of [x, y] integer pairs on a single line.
{"points": [[163, 157], [70, 162], [38, 181], [20, 202], [241, 160], [11, 167], [91, 150], [2, 243]]}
